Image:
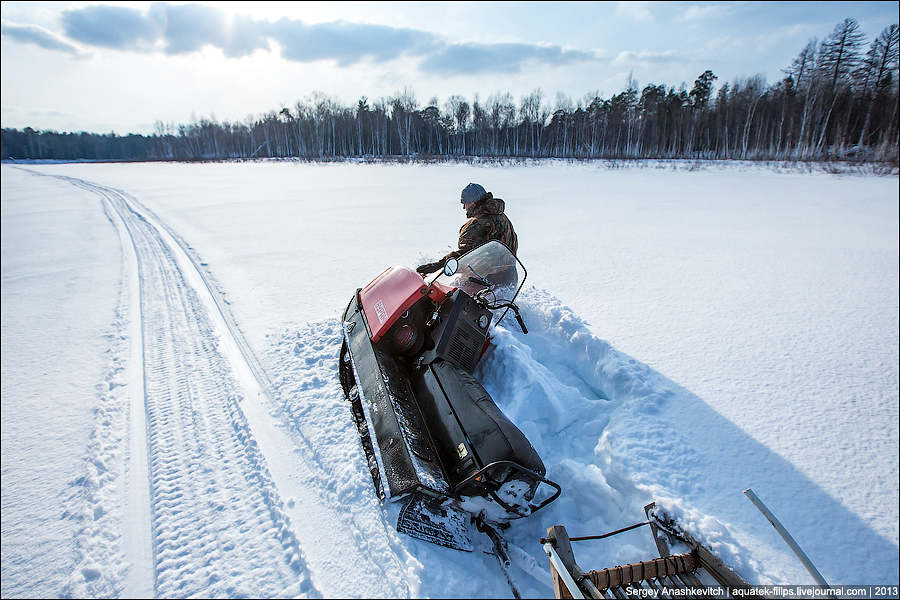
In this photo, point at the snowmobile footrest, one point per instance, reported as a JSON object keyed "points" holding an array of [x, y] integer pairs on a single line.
{"points": [[426, 519]]}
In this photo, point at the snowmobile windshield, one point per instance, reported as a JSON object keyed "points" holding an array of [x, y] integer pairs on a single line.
{"points": [[490, 267]]}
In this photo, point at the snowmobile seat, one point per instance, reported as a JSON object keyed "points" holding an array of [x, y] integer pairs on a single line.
{"points": [[468, 428]]}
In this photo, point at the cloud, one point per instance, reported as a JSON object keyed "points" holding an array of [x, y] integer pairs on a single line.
{"points": [[456, 59], [34, 34], [116, 27], [347, 42], [245, 36], [180, 29], [647, 56], [184, 28], [189, 27]]}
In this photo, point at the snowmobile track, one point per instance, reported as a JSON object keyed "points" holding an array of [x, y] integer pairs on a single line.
{"points": [[217, 520]]}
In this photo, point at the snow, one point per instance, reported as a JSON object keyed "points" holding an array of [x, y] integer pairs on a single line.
{"points": [[692, 333], [60, 372]]}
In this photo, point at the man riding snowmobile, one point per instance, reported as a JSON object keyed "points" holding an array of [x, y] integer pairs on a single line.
{"points": [[487, 221]]}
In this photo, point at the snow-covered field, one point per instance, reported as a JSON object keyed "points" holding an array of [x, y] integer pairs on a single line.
{"points": [[173, 424]]}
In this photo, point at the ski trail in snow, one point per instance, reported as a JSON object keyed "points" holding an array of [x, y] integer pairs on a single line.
{"points": [[219, 527], [110, 498], [139, 578], [295, 473]]}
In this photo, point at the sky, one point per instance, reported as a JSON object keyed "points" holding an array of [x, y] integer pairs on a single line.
{"points": [[122, 66]]}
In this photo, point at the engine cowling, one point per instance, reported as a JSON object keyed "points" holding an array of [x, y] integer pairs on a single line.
{"points": [[388, 296]]}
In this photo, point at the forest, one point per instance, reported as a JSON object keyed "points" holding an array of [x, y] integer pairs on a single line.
{"points": [[838, 100]]}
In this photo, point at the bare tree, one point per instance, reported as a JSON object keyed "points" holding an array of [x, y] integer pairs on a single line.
{"points": [[841, 51]]}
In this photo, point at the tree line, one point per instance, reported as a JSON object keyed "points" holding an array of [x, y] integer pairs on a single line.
{"points": [[837, 100]]}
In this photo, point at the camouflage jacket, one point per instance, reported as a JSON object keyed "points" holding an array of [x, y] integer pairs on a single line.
{"points": [[486, 222]]}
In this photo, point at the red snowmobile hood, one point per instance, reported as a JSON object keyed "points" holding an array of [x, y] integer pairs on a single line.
{"points": [[391, 294]]}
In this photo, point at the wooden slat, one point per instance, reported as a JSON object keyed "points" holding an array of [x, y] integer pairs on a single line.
{"points": [[600, 578], [634, 572]]}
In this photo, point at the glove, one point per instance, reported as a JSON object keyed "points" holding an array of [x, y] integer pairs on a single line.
{"points": [[428, 268]]}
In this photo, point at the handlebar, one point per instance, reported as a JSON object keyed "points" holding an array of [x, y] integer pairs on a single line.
{"points": [[481, 298], [521, 322]]}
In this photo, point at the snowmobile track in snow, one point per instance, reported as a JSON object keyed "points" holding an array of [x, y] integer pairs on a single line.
{"points": [[239, 493], [218, 526]]}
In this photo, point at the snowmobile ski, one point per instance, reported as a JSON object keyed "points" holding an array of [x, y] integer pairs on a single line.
{"points": [[501, 552]]}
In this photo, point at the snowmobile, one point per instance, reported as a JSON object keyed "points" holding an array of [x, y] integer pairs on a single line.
{"points": [[434, 439]]}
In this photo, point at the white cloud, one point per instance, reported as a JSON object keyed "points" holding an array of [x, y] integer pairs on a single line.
{"points": [[647, 56], [179, 29], [35, 34]]}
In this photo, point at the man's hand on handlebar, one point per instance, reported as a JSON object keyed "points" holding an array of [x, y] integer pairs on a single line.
{"points": [[429, 268]]}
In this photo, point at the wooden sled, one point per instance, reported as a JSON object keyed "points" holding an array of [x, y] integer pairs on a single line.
{"points": [[694, 573]]}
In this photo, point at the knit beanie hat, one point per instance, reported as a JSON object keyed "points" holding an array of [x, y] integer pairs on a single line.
{"points": [[472, 193]]}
